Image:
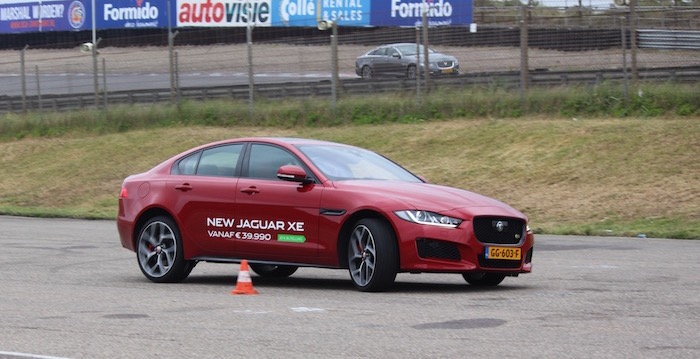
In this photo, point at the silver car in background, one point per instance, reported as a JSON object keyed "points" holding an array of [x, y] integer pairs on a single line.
{"points": [[400, 60]]}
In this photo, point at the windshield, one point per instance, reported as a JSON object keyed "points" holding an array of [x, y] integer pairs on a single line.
{"points": [[351, 163]]}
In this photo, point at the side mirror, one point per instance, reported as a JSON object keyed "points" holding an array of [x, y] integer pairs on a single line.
{"points": [[293, 173]]}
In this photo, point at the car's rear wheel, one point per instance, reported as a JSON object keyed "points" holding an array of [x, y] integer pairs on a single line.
{"points": [[484, 279], [411, 72], [273, 271], [367, 72], [372, 255], [159, 251]]}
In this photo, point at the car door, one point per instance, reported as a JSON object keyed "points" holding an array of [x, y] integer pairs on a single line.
{"points": [[379, 62], [276, 219], [394, 63], [203, 190]]}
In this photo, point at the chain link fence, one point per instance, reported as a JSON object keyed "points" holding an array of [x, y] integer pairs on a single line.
{"points": [[558, 40]]}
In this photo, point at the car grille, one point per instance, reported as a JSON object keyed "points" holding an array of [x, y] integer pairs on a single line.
{"points": [[499, 230], [443, 64], [428, 248]]}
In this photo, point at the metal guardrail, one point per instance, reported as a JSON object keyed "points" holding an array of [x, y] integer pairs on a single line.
{"points": [[354, 86], [669, 39]]}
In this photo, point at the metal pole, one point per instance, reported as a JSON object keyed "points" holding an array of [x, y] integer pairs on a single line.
{"points": [[38, 87], [94, 57], [524, 67], [623, 40], [251, 77], [171, 59], [104, 82], [426, 61], [418, 94], [177, 78], [334, 64], [633, 41], [24, 78]]}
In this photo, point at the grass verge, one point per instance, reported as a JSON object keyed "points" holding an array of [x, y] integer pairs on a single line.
{"points": [[571, 173]]}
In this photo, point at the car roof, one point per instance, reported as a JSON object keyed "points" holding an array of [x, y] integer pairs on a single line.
{"points": [[272, 140], [399, 44]]}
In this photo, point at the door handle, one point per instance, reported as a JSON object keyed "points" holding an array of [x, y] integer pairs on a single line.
{"points": [[184, 187], [250, 190]]}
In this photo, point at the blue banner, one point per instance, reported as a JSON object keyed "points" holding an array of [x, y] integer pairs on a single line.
{"points": [[46, 15], [133, 14], [410, 12], [307, 13]]}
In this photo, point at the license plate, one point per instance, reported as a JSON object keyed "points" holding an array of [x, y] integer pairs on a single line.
{"points": [[508, 253], [447, 71]]}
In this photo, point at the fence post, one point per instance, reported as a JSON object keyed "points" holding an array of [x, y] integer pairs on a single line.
{"points": [[171, 58], [623, 40], [523, 57], [633, 41], [426, 61], [334, 59], [95, 73], [418, 94], [38, 88], [24, 78], [333, 26], [251, 77], [104, 82]]}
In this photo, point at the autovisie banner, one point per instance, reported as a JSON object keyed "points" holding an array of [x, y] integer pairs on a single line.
{"points": [[74, 15]]}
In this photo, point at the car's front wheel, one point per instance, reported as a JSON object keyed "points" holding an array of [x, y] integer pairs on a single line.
{"points": [[484, 279], [159, 251], [372, 255], [273, 271], [411, 72], [367, 72]]}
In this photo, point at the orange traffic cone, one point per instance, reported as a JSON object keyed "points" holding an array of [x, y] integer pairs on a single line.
{"points": [[244, 285]]}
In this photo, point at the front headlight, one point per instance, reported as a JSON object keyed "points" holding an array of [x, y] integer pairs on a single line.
{"points": [[428, 218]]}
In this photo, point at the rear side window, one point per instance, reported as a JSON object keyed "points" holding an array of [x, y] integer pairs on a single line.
{"points": [[378, 52], [220, 161], [187, 165]]}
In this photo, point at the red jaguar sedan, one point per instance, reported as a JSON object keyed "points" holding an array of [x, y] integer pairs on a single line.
{"points": [[285, 203]]}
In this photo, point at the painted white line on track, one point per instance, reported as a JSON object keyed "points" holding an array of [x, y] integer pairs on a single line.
{"points": [[27, 355]]}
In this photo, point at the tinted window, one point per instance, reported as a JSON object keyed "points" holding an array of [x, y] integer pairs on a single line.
{"points": [[187, 165], [219, 161], [378, 52], [265, 160]]}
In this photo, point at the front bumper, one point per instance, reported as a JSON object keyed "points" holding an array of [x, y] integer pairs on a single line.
{"points": [[462, 250]]}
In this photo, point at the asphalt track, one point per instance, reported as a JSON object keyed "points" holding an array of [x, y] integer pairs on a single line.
{"points": [[68, 290], [65, 83]]}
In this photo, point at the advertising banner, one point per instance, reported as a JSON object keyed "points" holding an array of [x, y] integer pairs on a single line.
{"points": [[46, 15], [410, 12], [307, 13], [68, 15], [224, 13], [133, 14]]}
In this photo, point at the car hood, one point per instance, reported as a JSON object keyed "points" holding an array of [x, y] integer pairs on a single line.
{"points": [[441, 57], [426, 196]]}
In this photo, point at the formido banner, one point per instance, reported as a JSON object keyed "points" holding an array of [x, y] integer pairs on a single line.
{"points": [[75, 15]]}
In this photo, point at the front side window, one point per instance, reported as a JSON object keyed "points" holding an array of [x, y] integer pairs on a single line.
{"points": [[265, 161]]}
